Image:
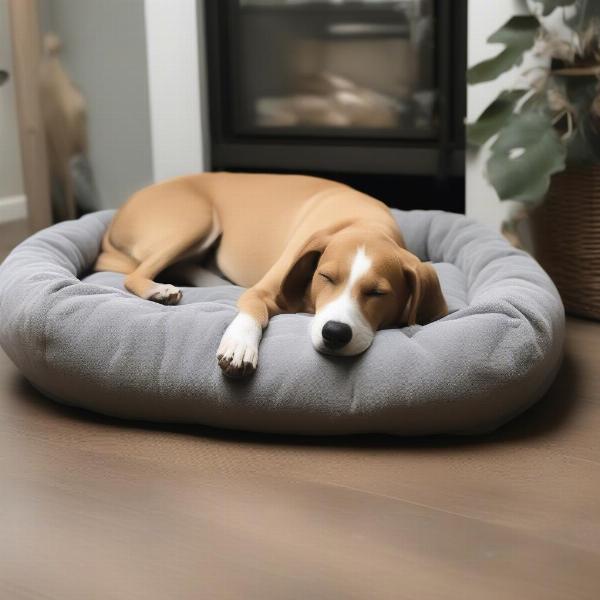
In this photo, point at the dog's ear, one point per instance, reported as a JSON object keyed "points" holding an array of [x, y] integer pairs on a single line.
{"points": [[426, 303], [295, 282]]}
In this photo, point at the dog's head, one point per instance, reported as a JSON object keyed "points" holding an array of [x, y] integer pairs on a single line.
{"points": [[358, 280]]}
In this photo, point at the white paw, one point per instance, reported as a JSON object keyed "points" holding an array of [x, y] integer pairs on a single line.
{"points": [[238, 351], [165, 293]]}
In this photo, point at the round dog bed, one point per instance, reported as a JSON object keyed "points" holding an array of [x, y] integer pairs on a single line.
{"points": [[81, 339]]}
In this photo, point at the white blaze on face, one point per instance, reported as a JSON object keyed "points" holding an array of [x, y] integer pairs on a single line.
{"points": [[345, 309]]}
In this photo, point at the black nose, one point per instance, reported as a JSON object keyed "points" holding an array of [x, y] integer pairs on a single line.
{"points": [[336, 334]]}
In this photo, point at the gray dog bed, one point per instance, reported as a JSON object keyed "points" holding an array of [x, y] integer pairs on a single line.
{"points": [[83, 340]]}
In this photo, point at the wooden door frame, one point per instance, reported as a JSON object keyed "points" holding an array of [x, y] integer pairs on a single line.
{"points": [[26, 50]]}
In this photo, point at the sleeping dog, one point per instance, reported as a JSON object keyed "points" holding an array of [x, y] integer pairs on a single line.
{"points": [[298, 244]]}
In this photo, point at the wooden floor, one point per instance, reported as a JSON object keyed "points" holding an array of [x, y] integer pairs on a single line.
{"points": [[94, 508], [10, 235]]}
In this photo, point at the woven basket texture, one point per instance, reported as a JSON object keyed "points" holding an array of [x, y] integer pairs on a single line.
{"points": [[566, 237]]}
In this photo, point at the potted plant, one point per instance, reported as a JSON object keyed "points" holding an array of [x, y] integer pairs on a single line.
{"points": [[545, 141]]}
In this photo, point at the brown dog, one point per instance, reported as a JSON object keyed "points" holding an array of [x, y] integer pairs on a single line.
{"points": [[299, 244]]}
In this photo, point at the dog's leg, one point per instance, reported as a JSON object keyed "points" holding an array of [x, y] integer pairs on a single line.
{"points": [[115, 261], [140, 282], [238, 352]]}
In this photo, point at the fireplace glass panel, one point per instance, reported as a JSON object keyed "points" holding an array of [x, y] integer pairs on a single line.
{"points": [[338, 68]]}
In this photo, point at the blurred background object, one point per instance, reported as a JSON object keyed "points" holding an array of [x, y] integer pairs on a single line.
{"points": [[80, 90], [65, 125], [103, 56], [369, 92], [339, 64]]}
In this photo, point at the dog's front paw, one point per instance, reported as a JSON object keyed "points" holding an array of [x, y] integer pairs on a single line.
{"points": [[238, 352], [237, 359]]}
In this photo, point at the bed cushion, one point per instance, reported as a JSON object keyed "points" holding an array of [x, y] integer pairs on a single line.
{"points": [[82, 340]]}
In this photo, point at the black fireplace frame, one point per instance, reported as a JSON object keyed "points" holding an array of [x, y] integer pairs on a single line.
{"points": [[441, 158]]}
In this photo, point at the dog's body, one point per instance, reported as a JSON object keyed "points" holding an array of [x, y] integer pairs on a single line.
{"points": [[274, 230]]}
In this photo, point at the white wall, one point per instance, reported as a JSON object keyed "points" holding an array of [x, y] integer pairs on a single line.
{"points": [[484, 18], [11, 176], [105, 54], [178, 99]]}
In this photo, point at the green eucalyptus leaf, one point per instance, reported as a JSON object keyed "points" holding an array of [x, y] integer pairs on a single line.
{"points": [[518, 30], [536, 101], [518, 35], [524, 156], [550, 6], [493, 117]]}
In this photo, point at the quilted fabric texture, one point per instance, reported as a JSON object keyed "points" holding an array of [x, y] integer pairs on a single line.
{"points": [[83, 340]]}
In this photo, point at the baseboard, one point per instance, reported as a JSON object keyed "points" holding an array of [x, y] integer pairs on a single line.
{"points": [[13, 208]]}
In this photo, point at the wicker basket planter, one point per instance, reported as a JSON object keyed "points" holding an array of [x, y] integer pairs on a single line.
{"points": [[566, 237]]}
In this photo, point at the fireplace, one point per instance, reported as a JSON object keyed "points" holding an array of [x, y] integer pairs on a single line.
{"points": [[369, 92]]}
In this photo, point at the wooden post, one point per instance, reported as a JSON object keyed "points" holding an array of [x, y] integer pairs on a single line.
{"points": [[26, 46]]}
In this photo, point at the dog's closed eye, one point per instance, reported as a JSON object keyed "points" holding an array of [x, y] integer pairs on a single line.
{"points": [[326, 277], [375, 292]]}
